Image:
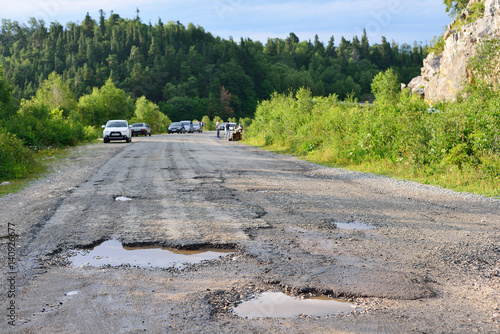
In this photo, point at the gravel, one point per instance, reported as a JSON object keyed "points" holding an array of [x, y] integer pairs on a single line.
{"points": [[430, 265]]}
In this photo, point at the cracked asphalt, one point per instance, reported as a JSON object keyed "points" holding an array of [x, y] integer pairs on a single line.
{"points": [[430, 264]]}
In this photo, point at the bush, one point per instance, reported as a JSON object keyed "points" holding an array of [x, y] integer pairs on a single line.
{"points": [[15, 159], [208, 125], [406, 135], [386, 87]]}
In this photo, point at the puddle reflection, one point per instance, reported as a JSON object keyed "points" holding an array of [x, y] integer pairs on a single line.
{"points": [[280, 305], [113, 253]]}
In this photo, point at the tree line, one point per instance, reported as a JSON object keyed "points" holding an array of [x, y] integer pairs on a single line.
{"points": [[187, 71], [452, 144]]}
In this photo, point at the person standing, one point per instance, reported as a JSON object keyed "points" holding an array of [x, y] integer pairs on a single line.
{"points": [[217, 127], [226, 131]]}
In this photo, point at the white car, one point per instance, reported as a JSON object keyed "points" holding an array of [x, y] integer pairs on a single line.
{"points": [[222, 126], [116, 130]]}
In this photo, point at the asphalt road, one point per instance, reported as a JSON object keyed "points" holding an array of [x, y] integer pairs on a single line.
{"points": [[409, 258]]}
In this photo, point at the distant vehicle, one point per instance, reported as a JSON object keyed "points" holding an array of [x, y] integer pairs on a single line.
{"points": [[116, 130], [176, 127], [222, 127], [197, 127], [188, 126], [140, 129]]}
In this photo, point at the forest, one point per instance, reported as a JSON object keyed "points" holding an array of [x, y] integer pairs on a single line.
{"points": [[186, 71]]}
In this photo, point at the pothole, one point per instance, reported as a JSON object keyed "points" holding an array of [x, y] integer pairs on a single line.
{"points": [[113, 253], [353, 225], [280, 305]]}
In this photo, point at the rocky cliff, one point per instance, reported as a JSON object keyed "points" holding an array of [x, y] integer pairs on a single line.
{"points": [[443, 76]]}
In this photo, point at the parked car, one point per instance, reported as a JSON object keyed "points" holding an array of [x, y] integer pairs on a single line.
{"points": [[197, 127], [116, 130], [140, 129], [222, 126], [188, 126], [176, 127]]}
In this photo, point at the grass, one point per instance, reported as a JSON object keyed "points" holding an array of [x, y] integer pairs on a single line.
{"points": [[449, 178], [468, 180], [453, 145], [43, 160]]}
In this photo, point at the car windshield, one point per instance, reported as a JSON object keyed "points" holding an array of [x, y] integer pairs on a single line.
{"points": [[175, 124], [136, 125], [117, 124]]}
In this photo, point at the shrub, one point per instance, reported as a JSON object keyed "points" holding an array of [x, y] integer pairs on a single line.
{"points": [[15, 159], [406, 135], [386, 87]]}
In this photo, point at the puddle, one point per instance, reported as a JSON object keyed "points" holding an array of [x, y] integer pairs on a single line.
{"points": [[122, 199], [113, 253], [280, 305], [355, 225]]}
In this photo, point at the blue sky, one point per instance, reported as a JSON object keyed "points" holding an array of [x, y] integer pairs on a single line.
{"points": [[404, 21]]}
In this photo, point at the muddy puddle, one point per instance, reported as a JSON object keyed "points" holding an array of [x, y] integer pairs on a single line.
{"points": [[113, 253], [280, 305], [355, 225]]}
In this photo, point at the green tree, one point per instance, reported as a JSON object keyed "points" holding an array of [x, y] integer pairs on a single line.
{"points": [[105, 103], [386, 87], [330, 49], [455, 6], [56, 94], [149, 112], [169, 62], [7, 104]]}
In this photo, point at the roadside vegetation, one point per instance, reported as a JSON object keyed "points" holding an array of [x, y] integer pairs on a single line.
{"points": [[35, 129], [454, 144]]}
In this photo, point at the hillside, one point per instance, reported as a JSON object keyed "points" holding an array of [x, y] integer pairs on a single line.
{"points": [[183, 69]]}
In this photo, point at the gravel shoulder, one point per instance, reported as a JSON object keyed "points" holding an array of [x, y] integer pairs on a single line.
{"points": [[428, 263]]}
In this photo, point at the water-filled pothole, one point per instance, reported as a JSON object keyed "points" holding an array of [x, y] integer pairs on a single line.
{"points": [[113, 253], [353, 225], [280, 305]]}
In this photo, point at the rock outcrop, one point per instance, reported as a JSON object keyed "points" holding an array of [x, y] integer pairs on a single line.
{"points": [[443, 76]]}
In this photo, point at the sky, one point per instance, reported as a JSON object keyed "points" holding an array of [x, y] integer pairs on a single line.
{"points": [[402, 21]]}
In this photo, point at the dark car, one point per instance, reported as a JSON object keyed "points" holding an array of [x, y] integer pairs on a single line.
{"points": [[197, 127], [140, 129], [176, 127], [188, 126]]}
